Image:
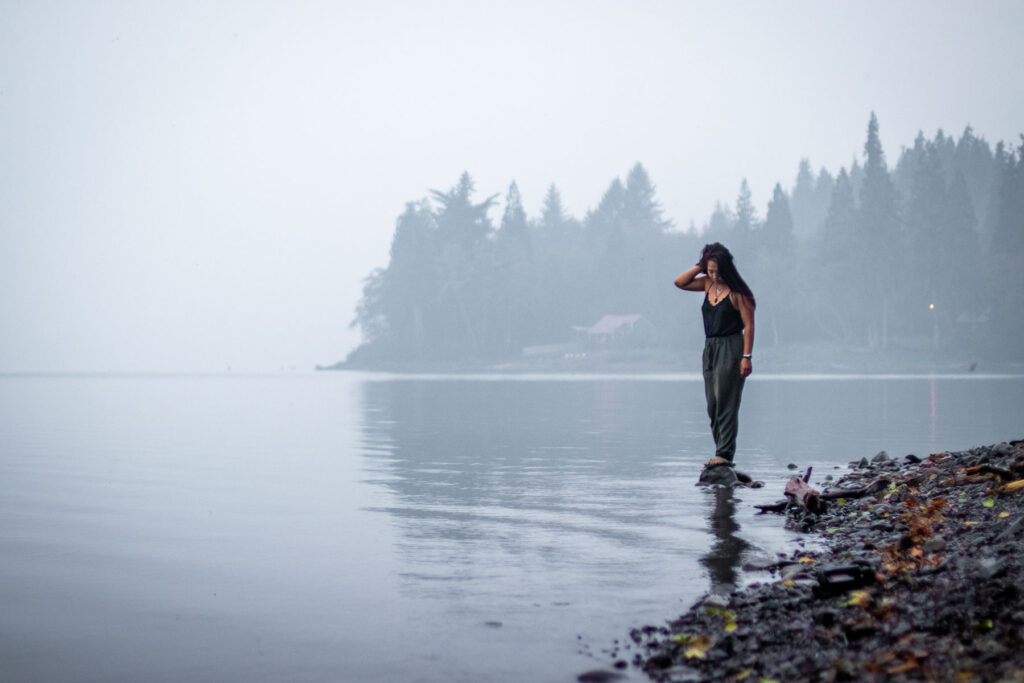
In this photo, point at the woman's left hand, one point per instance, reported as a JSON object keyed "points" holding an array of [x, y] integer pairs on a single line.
{"points": [[746, 367]]}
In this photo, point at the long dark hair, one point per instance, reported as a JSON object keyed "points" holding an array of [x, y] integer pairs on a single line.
{"points": [[726, 269]]}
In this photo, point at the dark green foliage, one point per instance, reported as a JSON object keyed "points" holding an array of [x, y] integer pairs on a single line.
{"points": [[924, 256]]}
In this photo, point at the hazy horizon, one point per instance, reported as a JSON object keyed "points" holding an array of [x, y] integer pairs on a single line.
{"points": [[197, 188]]}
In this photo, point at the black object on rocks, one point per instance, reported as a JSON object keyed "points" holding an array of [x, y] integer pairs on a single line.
{"points": [[837, 579]]}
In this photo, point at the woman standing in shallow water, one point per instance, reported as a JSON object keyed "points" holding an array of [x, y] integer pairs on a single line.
{"points": [[728, 311]]}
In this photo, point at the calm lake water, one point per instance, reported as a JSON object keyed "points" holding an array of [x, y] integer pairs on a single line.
{"points": [[347, 527]]}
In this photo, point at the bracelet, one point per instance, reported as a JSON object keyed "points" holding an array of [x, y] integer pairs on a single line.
{"points": [[747, 356]]}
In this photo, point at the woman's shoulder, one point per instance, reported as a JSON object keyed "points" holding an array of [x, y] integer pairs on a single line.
{"points": [[737, 299]]}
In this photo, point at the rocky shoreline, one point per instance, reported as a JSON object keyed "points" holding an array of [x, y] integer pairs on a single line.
{"points": [[919, 578]]}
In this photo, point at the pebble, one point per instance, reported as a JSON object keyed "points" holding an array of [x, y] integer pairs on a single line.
{"points": [[947, 583]]}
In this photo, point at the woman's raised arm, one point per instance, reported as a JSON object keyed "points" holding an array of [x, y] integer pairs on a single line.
{"points": [[693, 280]]}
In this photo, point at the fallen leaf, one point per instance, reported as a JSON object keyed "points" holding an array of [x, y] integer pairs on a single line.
{"points": [[989, 502], [789, 583], [909, 665], [742, 676], [730, 627], [697, 647], [1004, 513], [806, 560], [859, 599], [971, 523]]}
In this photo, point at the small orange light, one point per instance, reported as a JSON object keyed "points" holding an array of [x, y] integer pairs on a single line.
{"points": [[931, 307]]}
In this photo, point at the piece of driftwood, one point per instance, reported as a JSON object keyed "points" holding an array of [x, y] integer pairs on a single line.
{"points": [[802, 494], [778, 508], [990, 469], [964, 481], [1012, 487], [876, 486]]}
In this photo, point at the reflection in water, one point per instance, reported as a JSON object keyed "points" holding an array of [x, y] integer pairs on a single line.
{"points": [[723, 558], [564, 472]]}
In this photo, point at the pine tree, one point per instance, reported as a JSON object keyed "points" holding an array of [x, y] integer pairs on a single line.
{"points": [[746, 216], [879, 231], [802, 203], [778, 225]]}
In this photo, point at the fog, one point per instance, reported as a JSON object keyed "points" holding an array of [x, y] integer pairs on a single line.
{"points": [[202, 187]]}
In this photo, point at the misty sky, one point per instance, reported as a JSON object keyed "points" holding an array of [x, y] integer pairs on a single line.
{"points": [[193, 186]]}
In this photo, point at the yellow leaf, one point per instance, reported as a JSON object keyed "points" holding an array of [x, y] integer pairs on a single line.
{"points": [[742, 676], [971, 523], [1004, 513], [859, 599], [730, 627], [698, 647], [989, 502], [806, 560], [841, 501], [789, 582]]}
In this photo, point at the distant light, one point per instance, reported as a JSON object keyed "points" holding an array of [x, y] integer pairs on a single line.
{"points": [[931, 307]]}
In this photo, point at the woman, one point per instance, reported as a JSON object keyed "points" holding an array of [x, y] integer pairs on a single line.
{"points": [[729, 327]]}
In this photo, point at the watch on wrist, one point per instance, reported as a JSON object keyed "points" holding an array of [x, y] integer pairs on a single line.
{"points": [[747, 356]]}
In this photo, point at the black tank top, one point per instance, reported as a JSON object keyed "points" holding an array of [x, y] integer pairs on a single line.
{"points": [[721, 320]]}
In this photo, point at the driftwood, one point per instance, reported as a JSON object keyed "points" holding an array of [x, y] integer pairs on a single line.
{"points": [[876, 486], [779, 507], [965, 481], [990, 469], [1012, 487], [800, 493]]}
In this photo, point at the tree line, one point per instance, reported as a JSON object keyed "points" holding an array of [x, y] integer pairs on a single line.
{"points": [[926, 254]]}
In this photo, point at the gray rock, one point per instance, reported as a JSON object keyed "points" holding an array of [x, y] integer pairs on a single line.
{"points": [[796, 571], [715, 600], [934, 545], [881, 457], [718, 476]]}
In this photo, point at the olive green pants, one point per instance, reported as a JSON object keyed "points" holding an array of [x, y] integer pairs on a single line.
{"points": [[723, 387]]}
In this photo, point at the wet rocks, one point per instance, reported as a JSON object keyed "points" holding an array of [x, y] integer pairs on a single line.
{"points": [[927, 583]]}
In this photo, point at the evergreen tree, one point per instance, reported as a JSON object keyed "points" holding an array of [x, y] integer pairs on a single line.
{"points": [[803, 203], [463, 231], [839, 309], [720, 225], [511, 285], [879, 231], [746, 216], [823, 188], [1008, 236], [1007, 277], [410, 272], [778, 225], [641, 212], [562, 271], [975, 162]]}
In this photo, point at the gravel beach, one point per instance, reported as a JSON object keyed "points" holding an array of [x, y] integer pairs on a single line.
{"points": [[919, 577]]}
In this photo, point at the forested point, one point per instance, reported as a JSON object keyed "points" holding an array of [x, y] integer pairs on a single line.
{"points": [[923, 259]]}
